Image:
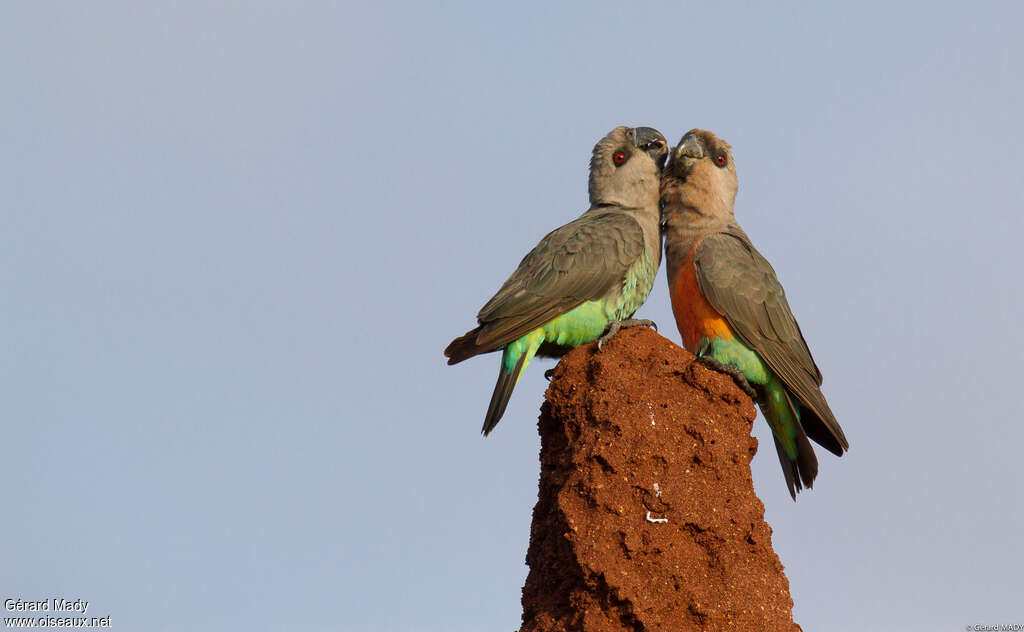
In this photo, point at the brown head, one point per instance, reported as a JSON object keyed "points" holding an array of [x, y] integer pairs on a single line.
{"points": [[700, 178], [626, 167]]}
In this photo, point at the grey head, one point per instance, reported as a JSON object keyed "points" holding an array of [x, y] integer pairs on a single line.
{"points": [[626, 165], [703, 173]]}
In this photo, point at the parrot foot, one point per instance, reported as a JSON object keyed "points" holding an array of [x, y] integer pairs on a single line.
{"points": [[623, 324], [728, 369]]}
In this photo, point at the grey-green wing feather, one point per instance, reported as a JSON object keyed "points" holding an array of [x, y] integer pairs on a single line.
{"points": [[742, 286], [578, 262]]}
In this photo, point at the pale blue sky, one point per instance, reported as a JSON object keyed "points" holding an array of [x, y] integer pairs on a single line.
{"points": [[236, 237]]}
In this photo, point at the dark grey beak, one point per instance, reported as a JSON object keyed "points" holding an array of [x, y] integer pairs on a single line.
{"points": [[690, 147], [651, 142]]}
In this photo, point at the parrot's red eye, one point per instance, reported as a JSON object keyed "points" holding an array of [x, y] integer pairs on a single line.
{"points": [[619, 157], [720, 160]]}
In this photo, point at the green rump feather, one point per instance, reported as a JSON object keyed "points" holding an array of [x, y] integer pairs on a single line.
{"points": [[775, 404]]}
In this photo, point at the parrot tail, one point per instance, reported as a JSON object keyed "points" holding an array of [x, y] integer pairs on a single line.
{"points": [[796, 456], [801, 472], [507, 379]]}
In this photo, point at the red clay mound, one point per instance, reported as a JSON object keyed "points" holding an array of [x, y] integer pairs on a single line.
{"points": [[646, 517]]}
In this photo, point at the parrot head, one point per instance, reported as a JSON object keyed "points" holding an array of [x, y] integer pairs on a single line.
{"points": [[626, 164], [705, 162]]}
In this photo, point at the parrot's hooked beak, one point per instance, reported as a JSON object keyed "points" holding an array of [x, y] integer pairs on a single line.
{"points": [[689, 150], [651, 142], [690, 147]]}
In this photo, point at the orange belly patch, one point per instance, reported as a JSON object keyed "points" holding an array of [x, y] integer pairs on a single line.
{"points": [[695, 317]]}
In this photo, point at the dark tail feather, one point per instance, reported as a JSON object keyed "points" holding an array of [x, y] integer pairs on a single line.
{"points": [[502, 392], [806, 460], [802, 472], [464, 347], [789, 469]]}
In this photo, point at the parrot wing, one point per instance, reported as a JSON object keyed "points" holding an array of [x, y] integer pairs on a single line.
{"points": [[578, 262], [741, 285]]}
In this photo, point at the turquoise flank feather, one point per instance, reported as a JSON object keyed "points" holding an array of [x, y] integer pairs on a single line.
{"points": [[779, 413], [772, 398]]}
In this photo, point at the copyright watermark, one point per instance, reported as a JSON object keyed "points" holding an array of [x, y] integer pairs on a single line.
{"points": [[52, 612], [1005, 627]]}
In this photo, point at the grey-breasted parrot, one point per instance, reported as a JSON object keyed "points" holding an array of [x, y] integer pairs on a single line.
{"points": [[582, 279]]}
